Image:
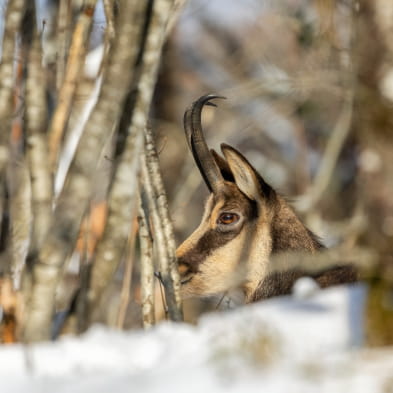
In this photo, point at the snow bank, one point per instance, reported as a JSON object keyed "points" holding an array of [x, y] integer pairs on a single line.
{"points": [[303, 344]]}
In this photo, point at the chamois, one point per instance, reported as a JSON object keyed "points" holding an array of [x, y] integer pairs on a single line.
{"points": [[244, 223]]}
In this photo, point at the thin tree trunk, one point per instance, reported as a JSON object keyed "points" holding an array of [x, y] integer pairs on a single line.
{"points": [[121, 210], [373, 123], [163, 228], [13, 18], [122, 194], [147, 271], [64, 25], [127, 278], [73, 71], [37, 147]]}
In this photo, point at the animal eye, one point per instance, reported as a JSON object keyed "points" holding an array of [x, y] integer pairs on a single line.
{"points": [[227, 218]]}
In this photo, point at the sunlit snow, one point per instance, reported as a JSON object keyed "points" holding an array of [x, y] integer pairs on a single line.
{"points": [[304, 344]]}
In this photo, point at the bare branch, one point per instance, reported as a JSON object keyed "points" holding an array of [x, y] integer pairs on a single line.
{"points": [[110, 25], [147, 271], [176, 10], [73, 71], [63, 38], [18, 185], [361, 258], [162, 223], [330, 157], [127, 278], [14, 15]]}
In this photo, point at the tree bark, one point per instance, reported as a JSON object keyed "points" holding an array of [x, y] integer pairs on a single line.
{"points": [[72, 73], [147, 271], [123, 191], [373, 125], [74, 198]]}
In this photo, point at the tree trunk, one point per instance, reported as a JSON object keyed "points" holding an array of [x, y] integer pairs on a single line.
{"points": [[373, 126]]}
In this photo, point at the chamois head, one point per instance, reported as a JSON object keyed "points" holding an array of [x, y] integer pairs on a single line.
{"points": [[244, 222]]}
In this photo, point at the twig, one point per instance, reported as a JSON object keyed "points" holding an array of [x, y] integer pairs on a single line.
{"points": [[127, 279], [73, 71], [147, 271], [330, 157], [364, 260], [176, 10], [158, 231], [13, 18], [220, 301], [165, 240], [162, 286], [361, 258], [20, 216], [110, 25], [63, 37]]}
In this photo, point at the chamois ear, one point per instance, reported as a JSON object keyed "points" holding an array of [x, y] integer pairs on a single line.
{"points": [[246, 177], [223, 165]]}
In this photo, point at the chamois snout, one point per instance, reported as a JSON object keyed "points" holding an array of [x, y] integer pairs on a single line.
{"points": [[244, 223]]}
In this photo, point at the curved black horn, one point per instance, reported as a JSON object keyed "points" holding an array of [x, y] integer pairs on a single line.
{"points": [[196, 141]]}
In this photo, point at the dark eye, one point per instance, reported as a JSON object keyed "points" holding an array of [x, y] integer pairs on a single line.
{"points": [[227, 218]]}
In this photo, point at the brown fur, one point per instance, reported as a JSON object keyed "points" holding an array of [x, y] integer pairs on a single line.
{"points": [[281, 283], [218, 256]]}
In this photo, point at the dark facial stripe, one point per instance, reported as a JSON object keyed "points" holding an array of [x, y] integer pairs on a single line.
{"points": [[210, 241], [214, 239]]}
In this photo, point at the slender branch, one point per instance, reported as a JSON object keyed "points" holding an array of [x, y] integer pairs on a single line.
{"points": [[147, 271], [176, 10], [63, 33], [20, 216], [13, 18], [330, 157], [73, 71], [110, 25], [75, 195], [18, 182], [363, 260], [168, 266], [174, 310], [127, 278]]}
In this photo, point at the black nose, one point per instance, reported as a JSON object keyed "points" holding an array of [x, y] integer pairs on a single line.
{"points": [[186, 271], [184, 268]]}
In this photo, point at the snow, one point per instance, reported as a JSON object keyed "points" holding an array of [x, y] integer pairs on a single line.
{"points": [[287, 344]]}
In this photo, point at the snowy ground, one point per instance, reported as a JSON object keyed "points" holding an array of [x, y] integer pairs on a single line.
{"points": [[306, 344]]}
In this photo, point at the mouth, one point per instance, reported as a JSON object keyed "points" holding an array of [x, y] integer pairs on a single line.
{"points": [[186, 280]]}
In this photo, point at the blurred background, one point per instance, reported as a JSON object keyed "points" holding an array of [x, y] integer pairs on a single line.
{"points": [[284, 67], [309, 102]]}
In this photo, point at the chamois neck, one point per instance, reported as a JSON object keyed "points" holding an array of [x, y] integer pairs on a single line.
{"points": [[289, 233]]}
